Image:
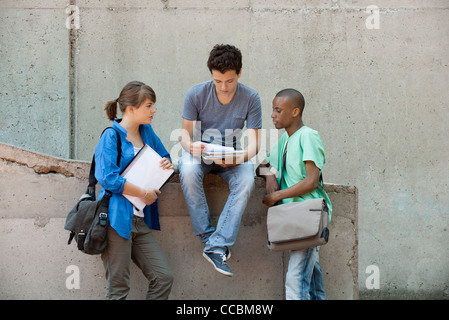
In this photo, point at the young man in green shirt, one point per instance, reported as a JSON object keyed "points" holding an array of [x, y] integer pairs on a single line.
{"points": [[300, 180]]}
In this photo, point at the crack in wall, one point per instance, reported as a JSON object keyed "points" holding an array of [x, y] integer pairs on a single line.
{"points": [[42, 169], [44, 164], [73, 36]]}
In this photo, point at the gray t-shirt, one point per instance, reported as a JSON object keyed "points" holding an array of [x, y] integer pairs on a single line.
{"points": [[222, 124]]}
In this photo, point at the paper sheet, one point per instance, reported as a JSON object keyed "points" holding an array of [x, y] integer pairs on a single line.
{"points": [[214, 151], [145, 171]]}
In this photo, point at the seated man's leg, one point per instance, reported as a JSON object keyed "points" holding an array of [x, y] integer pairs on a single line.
{"points": [[241, 184], [191, 173]]}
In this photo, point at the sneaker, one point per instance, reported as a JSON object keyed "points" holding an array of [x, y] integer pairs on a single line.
{"points": [[227, 254], [219, 262]]}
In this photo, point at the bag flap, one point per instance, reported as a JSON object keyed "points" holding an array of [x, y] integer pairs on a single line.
{"points": [[81, 216], [295, 220]]}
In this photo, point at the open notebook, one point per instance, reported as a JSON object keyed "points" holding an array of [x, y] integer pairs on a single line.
{"points": [[213, 151], [145, 171]]}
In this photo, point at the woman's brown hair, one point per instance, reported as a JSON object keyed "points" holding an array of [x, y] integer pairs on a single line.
{"points": [[134, 94]]}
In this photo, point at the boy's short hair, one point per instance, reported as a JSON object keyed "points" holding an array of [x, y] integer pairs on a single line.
{"points": [[225, 57], [295, 96]]}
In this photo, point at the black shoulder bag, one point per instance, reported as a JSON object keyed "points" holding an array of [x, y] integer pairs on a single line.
{"points": [[88, 220]]}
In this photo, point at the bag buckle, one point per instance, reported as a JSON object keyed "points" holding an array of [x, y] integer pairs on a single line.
{"points": [[103, 219]]}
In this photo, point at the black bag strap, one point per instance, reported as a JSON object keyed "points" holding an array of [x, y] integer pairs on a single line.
{"points": [[326, 207], [283, 167], [92, 180]]}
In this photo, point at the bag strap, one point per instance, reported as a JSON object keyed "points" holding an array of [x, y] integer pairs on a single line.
{"points": [[283, 167], [92, 180], [284, 156]]}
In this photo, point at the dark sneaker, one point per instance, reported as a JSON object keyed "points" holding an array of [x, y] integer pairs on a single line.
{"points": [[219, 262], [227, 254]]}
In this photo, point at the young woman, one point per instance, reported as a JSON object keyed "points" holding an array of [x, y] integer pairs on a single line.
{"points": [[129, 234]]}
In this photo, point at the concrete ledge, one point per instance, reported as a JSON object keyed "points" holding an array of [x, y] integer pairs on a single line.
{"points": [[37, 191]]}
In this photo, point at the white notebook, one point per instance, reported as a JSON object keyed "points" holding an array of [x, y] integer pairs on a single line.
{"points": [[213, 151], [145, 171]]}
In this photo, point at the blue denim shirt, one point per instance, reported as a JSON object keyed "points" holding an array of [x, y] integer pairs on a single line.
{"points": [[108, 175]]}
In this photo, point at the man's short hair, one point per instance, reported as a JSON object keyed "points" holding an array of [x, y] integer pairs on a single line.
{"points": [[295, 96], [225, 57]]}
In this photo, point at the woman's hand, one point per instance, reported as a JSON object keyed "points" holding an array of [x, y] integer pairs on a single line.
{"points": [[150, 196], [166, 164]]}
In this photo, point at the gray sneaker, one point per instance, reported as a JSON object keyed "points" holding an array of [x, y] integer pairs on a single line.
{"points": [[219, 262]]}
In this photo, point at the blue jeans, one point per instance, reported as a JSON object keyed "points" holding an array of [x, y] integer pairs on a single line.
{"points": [[304, 279], [241, 184]]}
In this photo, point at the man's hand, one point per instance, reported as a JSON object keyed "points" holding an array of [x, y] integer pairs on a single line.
{"points": [[229, 162], [196, 148]]}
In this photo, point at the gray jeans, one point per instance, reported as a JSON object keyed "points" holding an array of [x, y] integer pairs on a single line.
{"points": [[144, 251]]}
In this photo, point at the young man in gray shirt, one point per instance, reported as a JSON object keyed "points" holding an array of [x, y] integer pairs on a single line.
{"points": [[215, 112]]}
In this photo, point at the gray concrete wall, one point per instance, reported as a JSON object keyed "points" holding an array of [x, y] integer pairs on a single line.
{"points": [[377, 96], [37, 192]]}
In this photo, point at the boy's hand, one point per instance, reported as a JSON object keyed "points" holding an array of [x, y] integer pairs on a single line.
{"points": [[271, 187], [271, 184], [271, 199]]}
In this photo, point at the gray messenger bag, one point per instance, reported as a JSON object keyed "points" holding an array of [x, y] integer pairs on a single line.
{"points": [[298, 225]]}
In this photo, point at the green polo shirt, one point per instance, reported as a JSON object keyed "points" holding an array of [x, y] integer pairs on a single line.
{"points": [[303, 145]]}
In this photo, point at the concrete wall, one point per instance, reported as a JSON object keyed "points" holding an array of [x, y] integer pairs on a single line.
{"points": [[37, 192], [377, 96]]}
